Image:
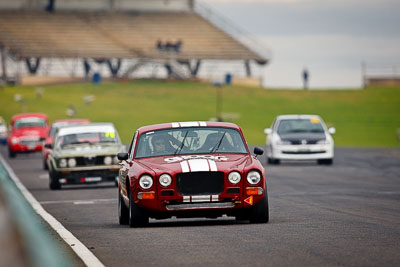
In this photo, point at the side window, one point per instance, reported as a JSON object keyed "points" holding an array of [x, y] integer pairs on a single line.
{"points": [[132, 146]]}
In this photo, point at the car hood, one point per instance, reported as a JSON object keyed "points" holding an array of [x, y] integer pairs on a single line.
{"points": [[293, 137], [88, 149], [41, 132], [196, 163]]}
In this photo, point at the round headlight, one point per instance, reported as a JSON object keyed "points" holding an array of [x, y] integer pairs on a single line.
{"points": [[107, 160], [72, 162], [63, 163], [115, 160], [14, 140], [253, 177], [165, 180], [234, 177], [145, 181]]}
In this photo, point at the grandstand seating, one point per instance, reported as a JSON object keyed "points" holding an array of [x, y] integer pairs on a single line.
{"points": [[101, 35]]}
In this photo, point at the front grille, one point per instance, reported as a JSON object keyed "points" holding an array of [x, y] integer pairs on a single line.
{"points": [[303, 142], [303, 152], [200, 183], [28, 142], [89, 161]]}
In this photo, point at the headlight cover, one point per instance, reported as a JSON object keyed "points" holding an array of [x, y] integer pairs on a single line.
{"points": [[115, 160], [165, 180], [253, 177], [62, 163], [234, 177], [146, 181], [107, 160], [323, 142], [71, 162], [14, 140]]}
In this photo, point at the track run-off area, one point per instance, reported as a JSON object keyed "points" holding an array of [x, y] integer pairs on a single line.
{"points": [[346, 214]]}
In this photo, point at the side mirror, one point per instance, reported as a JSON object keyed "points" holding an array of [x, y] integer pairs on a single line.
{"points": [[332, 130], [268, 131], [49, 146], [258, 150], [122, 156]]}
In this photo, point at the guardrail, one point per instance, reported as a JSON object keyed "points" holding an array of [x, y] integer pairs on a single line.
{"points": [[37, 249]]}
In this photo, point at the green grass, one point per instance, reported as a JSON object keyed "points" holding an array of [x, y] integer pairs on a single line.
{"points": [[368, 117]]}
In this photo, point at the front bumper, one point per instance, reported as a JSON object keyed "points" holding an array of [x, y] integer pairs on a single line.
{"points": [[302, 152], [230, 202], [27, 147], [87, 176]]}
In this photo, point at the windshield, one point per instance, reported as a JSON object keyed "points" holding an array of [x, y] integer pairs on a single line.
{"points": [[300, 126], [190, 141], [55, 126], [87, 138], [30, 122]]}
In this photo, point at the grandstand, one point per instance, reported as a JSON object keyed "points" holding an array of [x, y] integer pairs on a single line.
{"points": [[112, 31]]}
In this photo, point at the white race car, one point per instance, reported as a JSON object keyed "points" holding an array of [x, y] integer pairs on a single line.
{"points": [[299, 137]]}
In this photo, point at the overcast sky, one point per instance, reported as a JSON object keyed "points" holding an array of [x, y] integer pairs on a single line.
{"points": [[329, 37]]}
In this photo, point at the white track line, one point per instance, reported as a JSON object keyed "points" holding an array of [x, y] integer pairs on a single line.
{"points": [[80, 202], [80, 249]]}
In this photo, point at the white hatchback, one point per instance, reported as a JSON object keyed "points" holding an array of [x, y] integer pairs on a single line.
{"points": [[299, 137]]}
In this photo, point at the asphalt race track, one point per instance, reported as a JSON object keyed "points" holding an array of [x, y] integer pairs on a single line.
{"points": [[347, 214]]}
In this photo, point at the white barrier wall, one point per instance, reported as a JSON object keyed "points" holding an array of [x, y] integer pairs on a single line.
{"points": [[23, 4], [97, 5]]}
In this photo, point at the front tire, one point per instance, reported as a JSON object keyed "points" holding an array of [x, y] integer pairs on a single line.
{"points": [[273, 161], [123, 211], [325, 161], [54, 184], [260, 212], [45, 166], [137, 217], [11, 153]]}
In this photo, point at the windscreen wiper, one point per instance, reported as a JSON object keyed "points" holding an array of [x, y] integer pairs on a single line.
{"points": [[216, 147], [182, 144]]}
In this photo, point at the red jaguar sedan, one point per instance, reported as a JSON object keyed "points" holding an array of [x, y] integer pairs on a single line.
{"points": [[191, 169]]}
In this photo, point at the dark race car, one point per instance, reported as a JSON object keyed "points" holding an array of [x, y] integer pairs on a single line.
{"points": [[84, 154], [55, 126], [191, 169]]}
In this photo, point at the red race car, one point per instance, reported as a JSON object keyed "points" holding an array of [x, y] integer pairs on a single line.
{"points": [[191, 169], [53, 130], [28, 132]]}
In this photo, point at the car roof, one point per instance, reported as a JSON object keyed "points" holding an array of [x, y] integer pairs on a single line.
{"points": [[296, 116], [187, 124], [27, 115], [66, 121], [86, 128]]}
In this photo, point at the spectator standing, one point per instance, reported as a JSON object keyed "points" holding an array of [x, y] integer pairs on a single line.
{"points": [[305, 78]]}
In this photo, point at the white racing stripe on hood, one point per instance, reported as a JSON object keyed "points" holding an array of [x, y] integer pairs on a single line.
{"points": [[198, 165], [185, 166], [213, 166]]}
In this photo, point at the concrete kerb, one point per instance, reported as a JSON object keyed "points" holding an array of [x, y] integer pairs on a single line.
{"points": [[24, 209]]}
